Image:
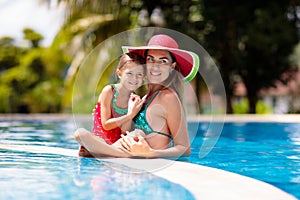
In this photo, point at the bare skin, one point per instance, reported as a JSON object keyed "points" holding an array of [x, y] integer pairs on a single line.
{"points": [[131, 74], [87, 140], [164, 114], [96, 146]]}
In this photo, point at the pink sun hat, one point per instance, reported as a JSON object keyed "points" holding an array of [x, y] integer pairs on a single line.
{"points": [[187, 61]]}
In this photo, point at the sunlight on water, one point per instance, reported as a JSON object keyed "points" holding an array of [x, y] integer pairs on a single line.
{"points": [[25, 175], [264, 151]]}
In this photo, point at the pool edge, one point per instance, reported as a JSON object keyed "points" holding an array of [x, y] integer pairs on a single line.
{"points": [[203, 182], [209, 183]]}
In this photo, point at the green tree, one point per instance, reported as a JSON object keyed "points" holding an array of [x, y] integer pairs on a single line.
{"points": [[246, 38], [9, 53], [9, 58], [31, 79], [33, 37], [87, 24], [251, 39]]}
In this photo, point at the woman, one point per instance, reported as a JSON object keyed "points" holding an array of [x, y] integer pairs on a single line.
{"points": [[160, 126]]}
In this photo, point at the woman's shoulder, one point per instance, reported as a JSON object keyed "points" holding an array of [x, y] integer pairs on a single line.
{"points": [[168, 92], [169, 99], [168, 95]]}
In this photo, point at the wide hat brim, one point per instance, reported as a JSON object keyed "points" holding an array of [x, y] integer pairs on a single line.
{"points": [[187, 61]]}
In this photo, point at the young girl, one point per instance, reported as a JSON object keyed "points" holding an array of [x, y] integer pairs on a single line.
{"points": [[112, 115]]}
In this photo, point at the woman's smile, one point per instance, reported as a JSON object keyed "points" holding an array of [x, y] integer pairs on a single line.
{"points": [[155, 73]]}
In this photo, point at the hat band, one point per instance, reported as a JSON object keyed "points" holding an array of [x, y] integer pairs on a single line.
{"points": [[195, 67]]}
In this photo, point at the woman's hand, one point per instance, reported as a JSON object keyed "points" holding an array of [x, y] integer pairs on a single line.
{"points": [[135, 144]]}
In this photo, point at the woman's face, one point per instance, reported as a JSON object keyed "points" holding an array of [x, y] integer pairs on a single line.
{"points": [[159, 65]]}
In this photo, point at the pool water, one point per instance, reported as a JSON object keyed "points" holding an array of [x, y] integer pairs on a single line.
{"points": [[25, 175], [269, 152]]}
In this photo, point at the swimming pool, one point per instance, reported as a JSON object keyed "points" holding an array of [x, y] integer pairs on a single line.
{"points": [[269, 152], [42, 175], [264, 151]]}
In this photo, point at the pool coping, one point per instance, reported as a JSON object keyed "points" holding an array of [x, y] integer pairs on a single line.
{"points": [[203, 182], [206, 182]]}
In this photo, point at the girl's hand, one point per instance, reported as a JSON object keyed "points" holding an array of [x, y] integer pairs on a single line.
{"points": [[135, 104]]}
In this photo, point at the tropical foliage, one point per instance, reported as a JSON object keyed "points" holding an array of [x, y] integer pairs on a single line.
{"points": [[250, 41], [31, 78]]}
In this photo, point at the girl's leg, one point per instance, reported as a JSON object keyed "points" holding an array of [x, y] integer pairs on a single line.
{"points": [[97, 146]]}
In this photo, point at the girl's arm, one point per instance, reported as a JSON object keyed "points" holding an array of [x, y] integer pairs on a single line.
{"points": [[134, 106], [107, 120]]}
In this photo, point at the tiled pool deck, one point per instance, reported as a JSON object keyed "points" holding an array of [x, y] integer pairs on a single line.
{"points": [[204, 182]]}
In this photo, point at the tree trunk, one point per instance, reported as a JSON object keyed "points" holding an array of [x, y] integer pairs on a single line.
{"points": [[252, 99], [229, 104], [228, 90]]}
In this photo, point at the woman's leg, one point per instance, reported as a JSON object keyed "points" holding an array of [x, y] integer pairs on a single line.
{"points": [[96, 145]]}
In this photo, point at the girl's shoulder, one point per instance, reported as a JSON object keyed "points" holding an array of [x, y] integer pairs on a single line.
{"points": [[108, 89], [107, 92]]}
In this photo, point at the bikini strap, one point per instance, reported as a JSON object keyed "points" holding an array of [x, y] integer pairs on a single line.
{"points": [[121, 111], [161, 133], [152, 98], [114, 89]]}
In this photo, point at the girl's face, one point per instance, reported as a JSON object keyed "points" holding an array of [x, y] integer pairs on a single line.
{"points": [[132, 76], [159, 65]]}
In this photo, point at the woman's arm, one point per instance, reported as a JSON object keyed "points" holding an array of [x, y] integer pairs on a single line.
{"points": [[176, 122]]}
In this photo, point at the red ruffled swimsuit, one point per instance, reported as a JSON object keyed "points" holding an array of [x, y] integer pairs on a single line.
{"points": [[110, 136]]}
